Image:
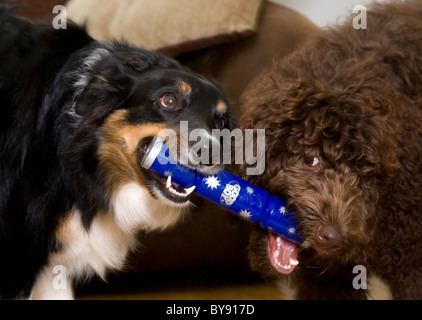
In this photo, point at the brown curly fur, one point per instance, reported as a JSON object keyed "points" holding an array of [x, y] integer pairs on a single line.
{"points": [[353, 99]]}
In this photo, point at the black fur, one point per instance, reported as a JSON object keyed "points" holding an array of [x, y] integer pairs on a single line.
{"points": [[48, 151]]}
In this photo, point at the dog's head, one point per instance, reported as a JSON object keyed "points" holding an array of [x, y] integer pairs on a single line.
{"points": [[126, 97], [331, 152]]}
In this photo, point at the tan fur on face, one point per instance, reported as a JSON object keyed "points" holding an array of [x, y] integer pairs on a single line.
{"points": [[117, 153], [221, 107], [117, 130], [185, 88]]}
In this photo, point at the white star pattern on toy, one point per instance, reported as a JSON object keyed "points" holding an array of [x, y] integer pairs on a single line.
{"points": [[212, 182], [282, 210], [292, 230], [168, 173], [250, 190], [245, 214]]}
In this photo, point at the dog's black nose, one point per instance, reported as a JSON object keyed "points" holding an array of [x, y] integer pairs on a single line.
{"points": [[329, 237]]}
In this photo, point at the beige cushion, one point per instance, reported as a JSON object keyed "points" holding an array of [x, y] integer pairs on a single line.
{"points": [[154, 24]]}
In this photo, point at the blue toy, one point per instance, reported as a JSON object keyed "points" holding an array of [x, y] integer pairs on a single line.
{"points": [[227, 190]]}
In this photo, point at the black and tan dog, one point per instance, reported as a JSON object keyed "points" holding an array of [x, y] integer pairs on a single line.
{"points": [[75, 117]]}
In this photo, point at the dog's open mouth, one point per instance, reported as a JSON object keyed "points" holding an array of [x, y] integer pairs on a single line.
{"points": [[282, 253], [170, 189], [163, 186]]}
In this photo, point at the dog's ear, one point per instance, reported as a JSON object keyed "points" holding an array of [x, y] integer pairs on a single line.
{"points": [[107, 88], [139, 60], [112, 80]]}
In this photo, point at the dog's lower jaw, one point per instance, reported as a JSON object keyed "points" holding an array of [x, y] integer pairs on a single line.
{"points": [[282, 254]]}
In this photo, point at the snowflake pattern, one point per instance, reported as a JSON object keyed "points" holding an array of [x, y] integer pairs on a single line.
{"points": [[212, 182], [168, 173], [292, 230], [250, 190], [245, 214], [282, 210]]}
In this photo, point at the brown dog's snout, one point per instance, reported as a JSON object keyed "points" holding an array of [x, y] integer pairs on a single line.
{"points": [[329, 237]]}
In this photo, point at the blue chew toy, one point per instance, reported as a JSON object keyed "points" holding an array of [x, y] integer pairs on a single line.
{"points": [[229, 191]]}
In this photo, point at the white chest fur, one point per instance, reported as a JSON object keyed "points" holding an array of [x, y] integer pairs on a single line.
{"points": [[106, 243]]}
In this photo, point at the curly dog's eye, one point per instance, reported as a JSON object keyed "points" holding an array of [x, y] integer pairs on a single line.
{"points": [[169, 101], [316, 164], [221, 123]]}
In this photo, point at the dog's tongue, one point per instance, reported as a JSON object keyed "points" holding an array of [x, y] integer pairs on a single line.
{"points": [[282, 253]]}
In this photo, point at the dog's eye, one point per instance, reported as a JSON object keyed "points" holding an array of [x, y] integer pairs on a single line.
{"points": [[221, 123], [169, 101], [316, 164]]}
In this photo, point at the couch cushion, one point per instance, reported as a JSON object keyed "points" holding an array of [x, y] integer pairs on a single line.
{"points": [[182, 25], [36, 10]]}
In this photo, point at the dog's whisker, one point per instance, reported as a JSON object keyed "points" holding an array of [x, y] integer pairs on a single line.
{"points": [[323, 271]]}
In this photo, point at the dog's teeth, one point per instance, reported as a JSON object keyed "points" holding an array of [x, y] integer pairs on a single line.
{"points": [[278, 239], [294, 262], [168, 183], [276, 254], [286, 267], [190, 190]]}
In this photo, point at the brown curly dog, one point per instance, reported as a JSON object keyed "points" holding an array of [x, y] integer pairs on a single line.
{"points": [[343, 120]]}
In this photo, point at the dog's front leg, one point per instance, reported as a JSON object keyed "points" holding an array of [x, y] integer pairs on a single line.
{"points": [[53, 284]]}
